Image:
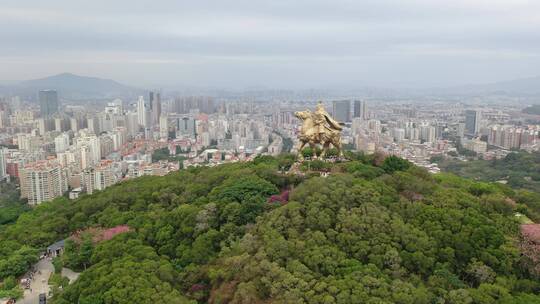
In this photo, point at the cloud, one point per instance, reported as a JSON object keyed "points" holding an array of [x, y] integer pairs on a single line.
{"points": [[234, 38]]}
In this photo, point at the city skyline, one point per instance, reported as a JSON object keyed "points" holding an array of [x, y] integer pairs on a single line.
{"points": [[277, 44], [165, 151]]}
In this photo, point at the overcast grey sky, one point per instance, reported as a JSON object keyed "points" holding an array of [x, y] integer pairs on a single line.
{"points": [[278, 43]]}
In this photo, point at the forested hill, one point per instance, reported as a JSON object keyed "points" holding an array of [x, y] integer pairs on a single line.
{"points": [[372, 231], [518, 169]]}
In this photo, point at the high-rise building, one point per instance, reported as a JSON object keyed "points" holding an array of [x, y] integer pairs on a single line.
{"points": [[341, 110], [132, 123], [58, 124], [106, 145], [45, 125], [114, 107], [510, 137], [183, 105], [360, 110], [413, 133], [48, 102], [106, 121], [22, 117], [3, 163], [141, 112], [42, 181], [427, 133], [73, 124], [61, 124], [42, 126], [399, 134], [185, 125], [93, 125], [476, 145], [163, 127], [119, 106], [85, 155], [90, 149], [155, 106], [3, 119], [150, 99], [61, 143], [102, 176], [119, 137], [472, 122]]}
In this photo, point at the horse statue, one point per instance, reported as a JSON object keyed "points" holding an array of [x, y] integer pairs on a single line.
{"points": [[326, 133]]}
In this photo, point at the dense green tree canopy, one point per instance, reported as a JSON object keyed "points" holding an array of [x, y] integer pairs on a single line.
{"points": [[375, 231], [11, 206], [518, 170]]}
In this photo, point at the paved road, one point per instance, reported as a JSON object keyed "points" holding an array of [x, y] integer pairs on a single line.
{"points": [[39, 283]]}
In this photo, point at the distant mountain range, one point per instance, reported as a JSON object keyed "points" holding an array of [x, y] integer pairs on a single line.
{"points": [[75, 87], [72, 86]]}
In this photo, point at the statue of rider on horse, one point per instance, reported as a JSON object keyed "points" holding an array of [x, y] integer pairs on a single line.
{"points": [[319, 128]]}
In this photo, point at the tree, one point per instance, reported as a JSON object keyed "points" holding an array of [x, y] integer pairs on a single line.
{"points": [[85, 251], [57, 264], [285, 164], [369, 232], [70, 257], [393, 163], [242, 188], [480, 273]]}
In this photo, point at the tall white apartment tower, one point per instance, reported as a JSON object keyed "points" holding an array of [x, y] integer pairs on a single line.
{"points": [[3, 174], [141, 112], [61, 143], [163, 127], [42, 181]]}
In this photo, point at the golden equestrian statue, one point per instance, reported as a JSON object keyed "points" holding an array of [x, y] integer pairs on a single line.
{"points": [[319, 128]]}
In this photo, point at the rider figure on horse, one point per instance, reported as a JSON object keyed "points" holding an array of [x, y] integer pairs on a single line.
{"points": [[323, 121], [318, 128]]}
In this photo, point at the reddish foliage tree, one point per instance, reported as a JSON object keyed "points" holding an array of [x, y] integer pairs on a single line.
{"points": [[530, 246], [99, 234], [197, 287], [282, 198]]}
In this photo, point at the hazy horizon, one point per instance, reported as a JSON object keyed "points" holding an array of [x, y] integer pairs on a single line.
{"points": [[279, 44], [179, 86]]}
